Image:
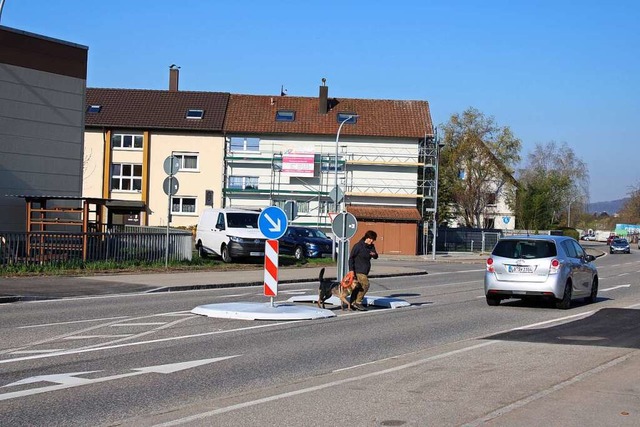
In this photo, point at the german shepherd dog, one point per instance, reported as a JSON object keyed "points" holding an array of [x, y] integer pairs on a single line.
{"points": [[330, 287]]}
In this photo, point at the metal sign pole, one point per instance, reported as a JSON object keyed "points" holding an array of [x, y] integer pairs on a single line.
{"points": [[166, 246]]}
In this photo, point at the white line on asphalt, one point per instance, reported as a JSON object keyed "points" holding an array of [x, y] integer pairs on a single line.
{"points": [[522, 402], [73, 321], [615, 287], [622, 274], [230, 408], [36, 351], [561, 319], [139, 324], [87, 337]]}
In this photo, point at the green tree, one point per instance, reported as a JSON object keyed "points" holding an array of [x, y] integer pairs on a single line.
{"points": [[477, 163]]}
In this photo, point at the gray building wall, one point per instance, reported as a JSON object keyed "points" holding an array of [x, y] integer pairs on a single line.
{"points": [[42, 96]]}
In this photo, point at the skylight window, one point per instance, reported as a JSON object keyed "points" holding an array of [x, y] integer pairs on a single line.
{"points": [[350, 118], [195, 114], [285, 116], [94, 108]]}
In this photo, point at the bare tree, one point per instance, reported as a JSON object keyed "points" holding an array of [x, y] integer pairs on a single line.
{"points": [[565, 178], [478, 159]]}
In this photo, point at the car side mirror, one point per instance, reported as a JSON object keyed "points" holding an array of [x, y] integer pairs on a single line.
{"points": [[589, 258]]}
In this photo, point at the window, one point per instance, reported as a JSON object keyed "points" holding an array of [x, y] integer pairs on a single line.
{"points": [[195, 114], [243, 182], [492, 199], [239, 143], [285, 116], [188, 161], [351, 118], [329, 163], [126, 177], [94, 108], [183, 205], [127, 141]]}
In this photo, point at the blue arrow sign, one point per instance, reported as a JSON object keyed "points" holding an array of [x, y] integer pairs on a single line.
{"points": [[272, 222]]}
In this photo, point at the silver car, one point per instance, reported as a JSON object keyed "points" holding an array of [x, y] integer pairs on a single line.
{"points": [[540, 266]]}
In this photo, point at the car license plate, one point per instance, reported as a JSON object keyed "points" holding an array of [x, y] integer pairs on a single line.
{"points": [[256, 253], [519, 269]]}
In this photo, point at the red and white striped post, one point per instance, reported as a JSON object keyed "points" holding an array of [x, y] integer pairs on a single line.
{"points": [[271, 269]]}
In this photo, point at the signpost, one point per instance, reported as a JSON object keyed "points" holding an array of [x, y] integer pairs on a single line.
{"points": [[170, 186], [344, 227], [272, 223]]}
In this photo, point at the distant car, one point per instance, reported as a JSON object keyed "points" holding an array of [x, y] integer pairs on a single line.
{"points": [[589, 237], [556, 268], [619, 246], [610, 239], [305, 242]]}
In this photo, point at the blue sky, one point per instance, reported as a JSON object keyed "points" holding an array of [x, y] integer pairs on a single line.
{"points": [[562, 71]]}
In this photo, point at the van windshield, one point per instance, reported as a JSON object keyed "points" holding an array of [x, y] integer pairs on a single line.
{"points": [[242, 220]]}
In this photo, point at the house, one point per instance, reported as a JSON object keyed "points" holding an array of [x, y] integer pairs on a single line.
{"points": [[43, 83], [325, 153], [130, 133], [321, 154]]}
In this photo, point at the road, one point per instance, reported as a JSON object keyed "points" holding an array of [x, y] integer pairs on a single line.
{"points": [[449, 359]]}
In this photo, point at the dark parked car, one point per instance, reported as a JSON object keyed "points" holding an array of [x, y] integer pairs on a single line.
{"points": [[305, 242], [619, 246]]}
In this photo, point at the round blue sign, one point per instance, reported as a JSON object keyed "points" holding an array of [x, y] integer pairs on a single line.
{"points": [[272, 222]]}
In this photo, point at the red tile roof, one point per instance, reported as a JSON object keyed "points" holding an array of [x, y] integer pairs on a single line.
{"points": [[384, 213], [156, 109], [377, 117]]}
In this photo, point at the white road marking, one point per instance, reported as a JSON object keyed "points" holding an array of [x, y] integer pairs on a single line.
{"points": [[69, 380], [71, 322], [88, 337], [242, 405], [139, 324], [622, 274], [36, 351], [615, 287]]}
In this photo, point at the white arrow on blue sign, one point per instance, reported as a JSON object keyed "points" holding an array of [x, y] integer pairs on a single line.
{"points": [[272, 222]]}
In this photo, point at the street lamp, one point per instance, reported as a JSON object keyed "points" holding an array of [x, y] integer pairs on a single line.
{"points": [[337, 196], [438, 146], [335, 165]]}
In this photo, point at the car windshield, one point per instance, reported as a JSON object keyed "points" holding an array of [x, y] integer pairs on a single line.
{"points": [[619, 241], [310, 232], [242, 220], [512, 248]]}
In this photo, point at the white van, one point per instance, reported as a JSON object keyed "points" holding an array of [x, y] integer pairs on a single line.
{"points": [[229, 233]]}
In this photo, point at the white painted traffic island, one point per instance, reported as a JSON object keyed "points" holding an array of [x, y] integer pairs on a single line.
{"points": [[366, 301], [262, 311]]}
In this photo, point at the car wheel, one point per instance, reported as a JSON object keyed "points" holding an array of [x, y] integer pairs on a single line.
{"points": [[202, 253], [493, 301], [565, 302], [299, 253], [593, 297], [226, 257]]}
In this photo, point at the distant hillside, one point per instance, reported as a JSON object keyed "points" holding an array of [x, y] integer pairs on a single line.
{"points": [[610, 207]]}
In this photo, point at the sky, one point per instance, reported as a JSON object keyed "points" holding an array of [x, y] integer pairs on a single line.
{"points": [[552, 71]]}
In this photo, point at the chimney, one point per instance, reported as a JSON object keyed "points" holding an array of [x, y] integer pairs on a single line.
{"points": [[324, 97], [174, 74]]}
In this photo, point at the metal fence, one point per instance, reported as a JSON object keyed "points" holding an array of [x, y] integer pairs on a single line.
{"points": [[55, 247], [466, 239]]}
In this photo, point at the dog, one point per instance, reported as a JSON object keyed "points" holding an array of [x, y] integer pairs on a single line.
{"points": [[330, 287]]}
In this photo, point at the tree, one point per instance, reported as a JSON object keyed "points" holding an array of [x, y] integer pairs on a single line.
{"points": [[476, 162], [630, 212], [554, 181]]}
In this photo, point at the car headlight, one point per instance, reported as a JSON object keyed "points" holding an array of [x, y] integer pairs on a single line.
{"points": [[236, 239], [310, 245]]}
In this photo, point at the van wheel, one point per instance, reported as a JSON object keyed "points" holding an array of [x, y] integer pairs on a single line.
{"points": [[565, 302], [299, 253], [224, 253], [202, 253]]}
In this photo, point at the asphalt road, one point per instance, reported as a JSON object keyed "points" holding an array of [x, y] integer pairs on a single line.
{"points": [[449, 359]]}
